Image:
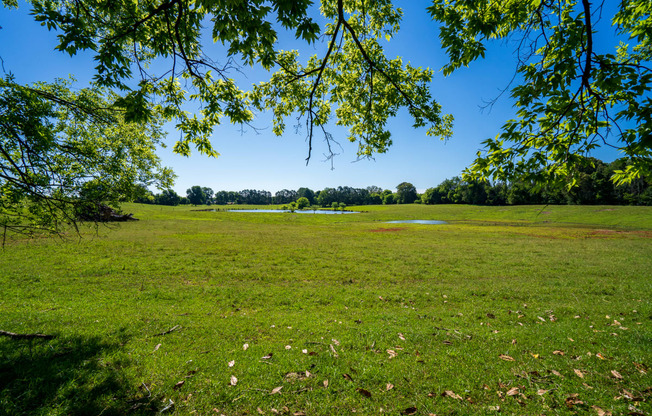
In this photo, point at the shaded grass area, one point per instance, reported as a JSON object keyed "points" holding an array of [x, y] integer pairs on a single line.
{"points": [[357, 304]]}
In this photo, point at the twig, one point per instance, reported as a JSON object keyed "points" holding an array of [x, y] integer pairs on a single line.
{"points": [[26, 336], [146, 388], [174, 328], [301, 390]]}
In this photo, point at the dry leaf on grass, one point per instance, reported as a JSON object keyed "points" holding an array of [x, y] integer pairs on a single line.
{"points": [[506, 357], [541, 392], [335, 354], [600, 411], [392, 354], [513, 391], [579, 373], [401, 336], [234, 380], [268, 356], [326, 383], [293, 376], [336, 342], [600, 356], [641, 368], [245, 347], [179, 384], [157, 347], [616, 374], [557, 373], [628, 395], [451, 394], [573, 400], [276, 390], [389, 387], [231, 363], [347, 377], [558, 352], [260, 411]]}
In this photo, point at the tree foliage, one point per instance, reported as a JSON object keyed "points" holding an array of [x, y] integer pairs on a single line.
{"points": [[406, 193], [302, 203], [350, 80], [63, 153], [196, 195], [572, 94]]}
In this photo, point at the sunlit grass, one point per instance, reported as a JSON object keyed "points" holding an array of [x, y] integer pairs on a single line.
{"points": [[360, 303]]}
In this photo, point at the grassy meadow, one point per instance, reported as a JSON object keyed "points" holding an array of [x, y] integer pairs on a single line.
{"points": [[504, 310]]}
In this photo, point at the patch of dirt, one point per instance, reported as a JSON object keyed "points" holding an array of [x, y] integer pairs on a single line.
{"points": [[386, 230]]}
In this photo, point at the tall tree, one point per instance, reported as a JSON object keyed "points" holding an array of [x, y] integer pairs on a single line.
{"points": [[64, 153], [406, 193], [285, 196], [306, 193], [196, 195], [168, 197], [208, 193]]}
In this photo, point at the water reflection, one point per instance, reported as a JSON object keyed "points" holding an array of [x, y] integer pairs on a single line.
{"points": [[317, 211]]}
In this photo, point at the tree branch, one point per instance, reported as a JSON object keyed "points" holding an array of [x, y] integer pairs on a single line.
{"points": [[25, 336], [321, 68]]}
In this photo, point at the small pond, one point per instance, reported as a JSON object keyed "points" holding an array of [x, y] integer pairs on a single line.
{"points": [[416, 222], [317, 211]]}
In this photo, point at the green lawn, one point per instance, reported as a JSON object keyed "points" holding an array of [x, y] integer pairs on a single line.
{"points": [[517, 310]]}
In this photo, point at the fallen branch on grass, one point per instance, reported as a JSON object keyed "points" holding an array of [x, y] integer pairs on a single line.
{"points": [[174, 328], [26, 336]]}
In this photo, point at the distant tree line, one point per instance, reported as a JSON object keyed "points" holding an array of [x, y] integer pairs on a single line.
{"points": [[594, 186]]}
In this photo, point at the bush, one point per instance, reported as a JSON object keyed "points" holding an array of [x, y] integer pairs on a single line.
{"points": [[302, 202]]}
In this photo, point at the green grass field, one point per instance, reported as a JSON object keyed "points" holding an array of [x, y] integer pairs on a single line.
{"points": [[510, 310]]}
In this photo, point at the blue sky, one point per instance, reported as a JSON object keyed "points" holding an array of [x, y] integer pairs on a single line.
{"points": [[251, 160]]}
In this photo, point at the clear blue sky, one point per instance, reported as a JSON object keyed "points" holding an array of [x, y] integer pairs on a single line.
{"points": [[266, 162]]}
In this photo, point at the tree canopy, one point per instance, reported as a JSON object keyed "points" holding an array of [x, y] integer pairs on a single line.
{"points": [[127, 37], [571, 97], [64, 153], [406, 193]]}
